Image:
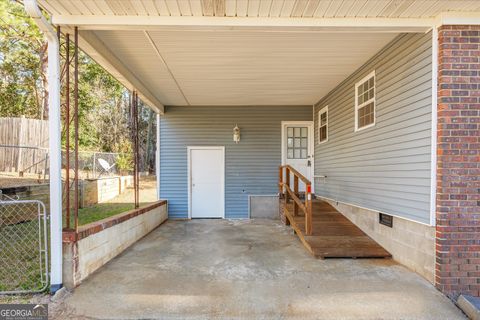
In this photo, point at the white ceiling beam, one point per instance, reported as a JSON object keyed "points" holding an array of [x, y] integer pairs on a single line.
{"points": [[99, 52], [91, 22]]}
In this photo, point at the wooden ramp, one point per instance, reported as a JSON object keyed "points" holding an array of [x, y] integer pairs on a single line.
{"points": [[333, 235]]}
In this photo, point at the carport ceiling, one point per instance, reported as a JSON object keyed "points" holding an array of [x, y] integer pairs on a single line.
{"points": [[241, 67], [243, 52]]}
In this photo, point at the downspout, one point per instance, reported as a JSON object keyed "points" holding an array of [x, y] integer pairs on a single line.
{"points": [[55, 153]]}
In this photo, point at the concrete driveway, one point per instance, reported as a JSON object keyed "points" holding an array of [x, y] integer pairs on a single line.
{"points": [[248, 269]]}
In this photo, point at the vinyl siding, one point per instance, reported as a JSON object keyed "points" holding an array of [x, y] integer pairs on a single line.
{"points": [[251, 167], [386, 167]]}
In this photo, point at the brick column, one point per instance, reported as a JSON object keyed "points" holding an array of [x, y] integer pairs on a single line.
{"points": [[458, 162]]}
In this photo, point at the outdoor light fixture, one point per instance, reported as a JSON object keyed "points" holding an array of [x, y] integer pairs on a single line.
{"points": [[236, 134]]}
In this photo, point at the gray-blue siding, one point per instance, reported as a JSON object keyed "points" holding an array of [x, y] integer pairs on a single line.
{"points": [[251, 167], [385, 167]]}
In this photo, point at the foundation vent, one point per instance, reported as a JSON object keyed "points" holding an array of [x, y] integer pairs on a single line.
{"points": [[385, 219]]}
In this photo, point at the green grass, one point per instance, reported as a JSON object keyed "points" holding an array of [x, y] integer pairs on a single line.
{"points": [[101, 211], [20, 257]]}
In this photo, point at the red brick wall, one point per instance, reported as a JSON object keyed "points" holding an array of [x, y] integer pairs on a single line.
{"points": [[458, 163]]}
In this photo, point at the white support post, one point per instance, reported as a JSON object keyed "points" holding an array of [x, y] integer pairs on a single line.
{"points": [[55, 153], [157, 157]]}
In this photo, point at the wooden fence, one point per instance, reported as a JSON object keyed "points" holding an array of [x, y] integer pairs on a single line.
{"points": [[23, 145]]}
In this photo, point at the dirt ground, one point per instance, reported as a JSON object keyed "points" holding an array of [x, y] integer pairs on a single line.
{"points": [[148, 192], [11, 179]]}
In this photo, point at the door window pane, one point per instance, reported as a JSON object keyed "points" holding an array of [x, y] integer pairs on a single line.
{"points": [[304, 132], [304, 143], [290, 153], [297, 142]]}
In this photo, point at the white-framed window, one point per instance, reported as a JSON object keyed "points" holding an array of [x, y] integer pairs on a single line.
{"points": [[323, 125], [365, 102]]}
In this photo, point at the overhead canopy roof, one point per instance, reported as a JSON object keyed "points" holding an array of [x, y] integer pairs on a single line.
{"points": [[262, 8], [242, 52]]}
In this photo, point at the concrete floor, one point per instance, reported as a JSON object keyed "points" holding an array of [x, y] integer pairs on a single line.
{"points": [[248, 269]]}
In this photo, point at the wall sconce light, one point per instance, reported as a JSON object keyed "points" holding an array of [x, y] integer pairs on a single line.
{"points": [[236, 134]]}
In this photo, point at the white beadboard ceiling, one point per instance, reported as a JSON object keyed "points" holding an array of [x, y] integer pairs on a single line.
{"points": [[262, 8], [241, 68], [173, 52]]}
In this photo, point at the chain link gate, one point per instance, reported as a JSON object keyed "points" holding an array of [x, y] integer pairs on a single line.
{"points": [[23, 246]]}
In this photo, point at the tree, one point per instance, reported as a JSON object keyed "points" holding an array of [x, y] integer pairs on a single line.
{"points": [[103, 101], [23, 64]]}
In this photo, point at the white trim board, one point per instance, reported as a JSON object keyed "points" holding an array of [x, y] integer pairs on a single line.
{"points": [[433, 168], [113, 22], [189, 175], [293, 24]]}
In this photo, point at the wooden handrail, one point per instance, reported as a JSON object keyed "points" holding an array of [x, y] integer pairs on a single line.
{"points": [[296, 173], [284, 183]]}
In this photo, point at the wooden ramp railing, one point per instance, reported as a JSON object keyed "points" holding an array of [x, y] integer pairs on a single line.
{"points": [[286, 190], [323, 230]]}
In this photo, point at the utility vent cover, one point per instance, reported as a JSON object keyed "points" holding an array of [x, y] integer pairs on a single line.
{"points": [[385, 219]]}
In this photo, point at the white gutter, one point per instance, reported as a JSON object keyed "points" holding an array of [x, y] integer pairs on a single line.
{"points": [[55, 154]]}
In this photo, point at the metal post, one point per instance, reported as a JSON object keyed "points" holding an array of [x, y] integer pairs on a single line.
{"points": [[54, 128], [157, 157], [94, 164], [67, 130], [137, 156], [45, 167], [20, 150], [134, 117], [76, 128]]}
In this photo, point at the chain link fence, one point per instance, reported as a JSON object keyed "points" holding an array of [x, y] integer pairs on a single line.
{"points": [[30, 162], [92, 164], [23, 246]]}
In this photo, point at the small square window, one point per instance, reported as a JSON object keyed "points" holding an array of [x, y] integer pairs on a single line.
{"points": [[365, 102], [323, 125]]}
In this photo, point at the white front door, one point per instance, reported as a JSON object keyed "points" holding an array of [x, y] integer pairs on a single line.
{"points": [[206, 182], [297, 149]]}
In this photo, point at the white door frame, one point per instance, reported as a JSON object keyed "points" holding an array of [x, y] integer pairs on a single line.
{"points": [[311, 141], [189, 176]]}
